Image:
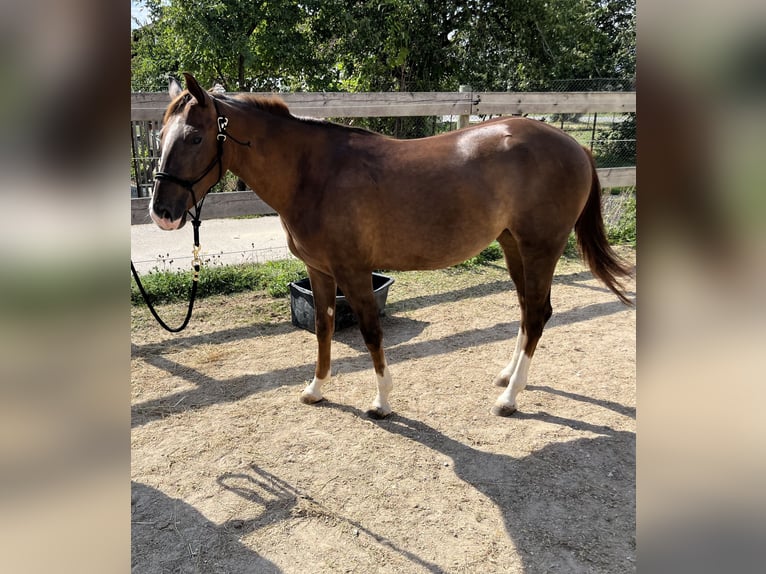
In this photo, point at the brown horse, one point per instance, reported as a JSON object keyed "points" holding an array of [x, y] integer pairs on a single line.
{"points": [[352, 201]]}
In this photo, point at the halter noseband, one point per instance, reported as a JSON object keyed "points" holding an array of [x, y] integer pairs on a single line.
{"points": [[221, 121]]}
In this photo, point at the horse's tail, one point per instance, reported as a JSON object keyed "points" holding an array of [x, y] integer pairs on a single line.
{"points": [[594, 247]]}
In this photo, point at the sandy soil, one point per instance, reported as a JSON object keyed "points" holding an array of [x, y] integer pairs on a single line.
{"points": [[231, 473]]}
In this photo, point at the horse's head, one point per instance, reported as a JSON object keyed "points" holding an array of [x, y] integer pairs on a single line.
{"points": [[190, 161]]}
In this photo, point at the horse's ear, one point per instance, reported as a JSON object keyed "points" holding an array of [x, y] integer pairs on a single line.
{"points": [[174, 88], [195, 90]]}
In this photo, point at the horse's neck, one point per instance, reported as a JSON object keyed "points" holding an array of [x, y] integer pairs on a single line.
{"points": [[269, 166]]}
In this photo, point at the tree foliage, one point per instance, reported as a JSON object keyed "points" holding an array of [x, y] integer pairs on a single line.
{"points": [[383, 45]]}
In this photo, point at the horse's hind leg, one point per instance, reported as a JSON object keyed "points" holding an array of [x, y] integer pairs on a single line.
{"points": [[358, 291], [516, 270], [535, 302], [323, 287], [536, 313]]}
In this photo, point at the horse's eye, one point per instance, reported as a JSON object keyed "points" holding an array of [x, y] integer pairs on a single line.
{"points": [[196, 140]]}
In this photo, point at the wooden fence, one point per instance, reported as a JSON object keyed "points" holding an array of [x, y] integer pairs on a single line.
{"points": [[150, 107]]}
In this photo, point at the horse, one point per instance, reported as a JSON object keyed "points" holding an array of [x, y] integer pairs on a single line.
{"points": [[352, 201]]}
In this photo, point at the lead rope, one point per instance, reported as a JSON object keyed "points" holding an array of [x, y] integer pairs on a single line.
{"points": [[196, 263]]}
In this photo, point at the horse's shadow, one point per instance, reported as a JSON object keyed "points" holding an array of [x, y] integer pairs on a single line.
{"points": [[568, 505], [168, 535]]}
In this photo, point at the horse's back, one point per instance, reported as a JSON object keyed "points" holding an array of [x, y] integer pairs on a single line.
{"points": [[500, 166]]}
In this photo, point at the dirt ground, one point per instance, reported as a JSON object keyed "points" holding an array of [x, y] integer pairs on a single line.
{"points": [[232, 474]]}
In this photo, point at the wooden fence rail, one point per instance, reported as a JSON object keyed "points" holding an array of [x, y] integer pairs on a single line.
{"points": [[145, 107], [151, 106], [232, 203]]}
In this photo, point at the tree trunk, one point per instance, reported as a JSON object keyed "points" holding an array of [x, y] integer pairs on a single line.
{"points": [[241, 73]]}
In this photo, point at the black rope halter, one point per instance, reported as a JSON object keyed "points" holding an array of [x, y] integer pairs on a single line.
{"points": [[222, 135]]}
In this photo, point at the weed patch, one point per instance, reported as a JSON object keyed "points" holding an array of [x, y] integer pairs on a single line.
{"points": [[272, 277], [492, 252]]}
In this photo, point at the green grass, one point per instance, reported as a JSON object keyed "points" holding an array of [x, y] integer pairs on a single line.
{"points": [[272, 277], [492, 252], [624, 232], [253, 216]]}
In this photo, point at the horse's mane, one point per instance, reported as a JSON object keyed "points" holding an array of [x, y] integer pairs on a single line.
{"points": [[176, 106], [274, 105], [270, 104]]}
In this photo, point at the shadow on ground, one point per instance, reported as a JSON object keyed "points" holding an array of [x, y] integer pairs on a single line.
{"points": [[168, 535], [569, 503]]}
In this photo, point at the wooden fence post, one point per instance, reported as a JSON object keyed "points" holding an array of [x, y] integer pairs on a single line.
{"points": [[463, 121]]}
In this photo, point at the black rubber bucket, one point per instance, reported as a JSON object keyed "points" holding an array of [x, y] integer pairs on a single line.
{"points": [[302, 303]]}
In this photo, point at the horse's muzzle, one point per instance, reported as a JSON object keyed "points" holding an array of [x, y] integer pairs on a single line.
{"points": [[164, 221]]}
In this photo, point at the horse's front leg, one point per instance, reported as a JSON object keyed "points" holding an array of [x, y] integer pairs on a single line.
{"points": [[358, 292], [323, 287]]}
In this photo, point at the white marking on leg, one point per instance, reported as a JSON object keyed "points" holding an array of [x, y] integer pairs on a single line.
{"points": [[505, 375], [313, 391], [507, 400], [385, 384], [330, 311]]}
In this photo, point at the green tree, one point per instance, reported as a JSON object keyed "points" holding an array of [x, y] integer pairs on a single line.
{"points": [[529, 44], [242, 44], [154, 57], [383, 45]]}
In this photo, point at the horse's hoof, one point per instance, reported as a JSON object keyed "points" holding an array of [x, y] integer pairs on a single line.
{"points": [[309, 399], [502, 411], [376, 413]]}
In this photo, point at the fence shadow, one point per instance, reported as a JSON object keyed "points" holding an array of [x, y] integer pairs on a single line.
{"points": [[209, 390], [473, 292], [251, 331], [254, 330], [259, 330], [611, 405]]}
